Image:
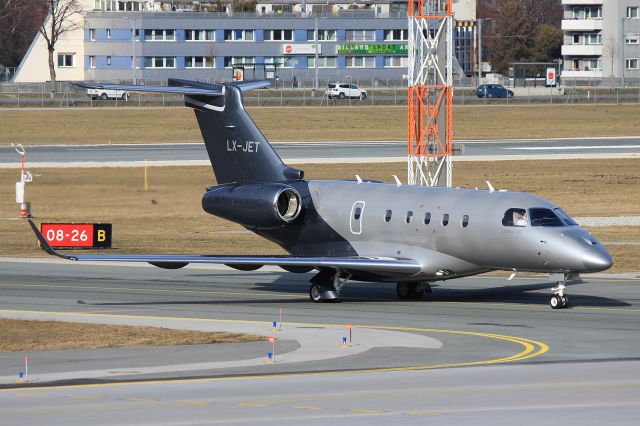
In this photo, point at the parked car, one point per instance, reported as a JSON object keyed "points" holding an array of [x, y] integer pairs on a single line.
{"points": [[104, 94], [493, 91], [343, 90]]}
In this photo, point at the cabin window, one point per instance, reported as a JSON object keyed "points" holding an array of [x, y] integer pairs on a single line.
{"points": [[387, 216], [515, 217], [427, 218], [409, 216], [465, 221], [544, 217], [357, 213], [445, 219]]}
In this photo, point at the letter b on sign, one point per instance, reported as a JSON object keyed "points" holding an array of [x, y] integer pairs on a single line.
{"points": [[102, 235]]}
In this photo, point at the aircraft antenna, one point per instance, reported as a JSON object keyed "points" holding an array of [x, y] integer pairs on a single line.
{"points": [[430, 92]]}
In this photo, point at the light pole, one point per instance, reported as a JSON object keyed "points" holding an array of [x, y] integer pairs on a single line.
{"points": [[622, 44]]}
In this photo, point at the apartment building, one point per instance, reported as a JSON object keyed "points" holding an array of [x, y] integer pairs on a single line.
{"points": [[151, 40], [601, 41]]}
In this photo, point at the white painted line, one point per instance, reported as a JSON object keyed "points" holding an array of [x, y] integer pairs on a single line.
{"points": [[576, 147]]}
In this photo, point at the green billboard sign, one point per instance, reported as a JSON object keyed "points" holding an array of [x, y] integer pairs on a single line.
{"points": [[373, 49]]}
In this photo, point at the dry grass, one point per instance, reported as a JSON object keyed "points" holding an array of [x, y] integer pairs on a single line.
{"points": [[159, 125], [21, 335], [169, 218]]}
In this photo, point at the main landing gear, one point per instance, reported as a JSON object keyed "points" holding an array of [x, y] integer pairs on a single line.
{"points": [[413, 290], [560, 300], [326, 285]]}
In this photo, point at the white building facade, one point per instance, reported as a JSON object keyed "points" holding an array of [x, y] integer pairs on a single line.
{"points": [[601, 41]]}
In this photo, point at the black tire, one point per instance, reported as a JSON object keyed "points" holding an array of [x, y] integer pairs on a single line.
{"points": [[314, 294], [363, 96], [125, 97], [565, 301], [555, 302], [407, 291], [104, 97], [342, 95]]}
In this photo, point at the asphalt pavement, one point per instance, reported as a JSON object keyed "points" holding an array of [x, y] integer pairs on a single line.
{"points": [[330, 151]]}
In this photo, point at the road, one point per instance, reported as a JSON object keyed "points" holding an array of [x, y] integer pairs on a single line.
{"points": [[484, 350], [332, 151]]}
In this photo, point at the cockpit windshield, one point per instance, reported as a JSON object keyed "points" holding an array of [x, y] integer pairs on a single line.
{"points": [[564, 216], [544, 217]]}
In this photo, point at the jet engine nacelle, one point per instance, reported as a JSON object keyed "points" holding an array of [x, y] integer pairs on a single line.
{"points": [[259, 205]]}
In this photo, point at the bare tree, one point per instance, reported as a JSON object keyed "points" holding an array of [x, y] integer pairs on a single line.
{"points": [[64, 16], [611, 49], [19, 22]]}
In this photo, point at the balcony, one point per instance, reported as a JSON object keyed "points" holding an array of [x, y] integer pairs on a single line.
{"points": [[582, 2], [581, 50], [569, 74], [581, 24]]}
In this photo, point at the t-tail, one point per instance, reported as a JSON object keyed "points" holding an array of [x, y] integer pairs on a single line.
{"points": [[237, 149]]}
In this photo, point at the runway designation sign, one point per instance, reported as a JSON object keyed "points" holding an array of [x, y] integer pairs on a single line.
{"points": [[77, 235]]}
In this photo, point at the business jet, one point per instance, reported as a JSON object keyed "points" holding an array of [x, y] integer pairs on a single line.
{"points": [[361, 230]]}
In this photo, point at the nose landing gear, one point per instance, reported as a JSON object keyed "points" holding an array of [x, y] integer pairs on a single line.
{"points": [[560, 300]]}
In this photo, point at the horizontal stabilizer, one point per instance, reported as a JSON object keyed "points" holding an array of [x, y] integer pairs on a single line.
{"points": [[369, 264], [181, 87]]}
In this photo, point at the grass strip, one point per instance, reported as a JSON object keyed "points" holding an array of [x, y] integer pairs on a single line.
{"points": [[27, 335]]}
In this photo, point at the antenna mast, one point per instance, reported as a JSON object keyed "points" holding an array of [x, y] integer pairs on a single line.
{"points": [[430, 92]]}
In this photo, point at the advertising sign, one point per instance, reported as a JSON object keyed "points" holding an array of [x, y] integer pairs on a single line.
{"points": [[373, 49], [300, 49], [551, 77]]}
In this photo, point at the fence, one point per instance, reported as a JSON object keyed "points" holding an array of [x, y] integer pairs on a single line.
{"points": [[378, 92]]}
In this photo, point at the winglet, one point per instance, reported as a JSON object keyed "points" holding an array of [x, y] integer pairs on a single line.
{"points": [[45, 244]]}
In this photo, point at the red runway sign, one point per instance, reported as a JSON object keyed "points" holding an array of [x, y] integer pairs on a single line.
{"points": [[77, 235]]}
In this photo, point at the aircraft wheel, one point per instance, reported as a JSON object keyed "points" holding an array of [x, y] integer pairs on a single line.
{"points": [[314, 294], [408, 291], [559, 302]]}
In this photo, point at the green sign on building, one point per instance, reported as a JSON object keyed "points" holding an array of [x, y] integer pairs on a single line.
{"points": [[373, 49]]}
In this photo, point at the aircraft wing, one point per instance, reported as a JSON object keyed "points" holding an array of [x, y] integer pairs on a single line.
{"points": [[369, 264]]}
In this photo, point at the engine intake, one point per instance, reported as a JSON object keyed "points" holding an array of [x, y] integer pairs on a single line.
{"points": [[268, 205]]}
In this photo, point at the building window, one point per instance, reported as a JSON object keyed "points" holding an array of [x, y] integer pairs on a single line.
{"points": [[199, 35], [396, 35], [323, 61], [360, 61], [395, 61], [593, 12], [109, 61], [238, 35], [92, 61], [323, 35], [159, 62], [576, 38], [108, 33], [593, 38], [66, 60], [282, 61], [592, 64], [92, 34], [159, 35], [198, 62], [246, 61], [360, 35], [278, 35], [632, 12], [633, 38], [631, 63]]}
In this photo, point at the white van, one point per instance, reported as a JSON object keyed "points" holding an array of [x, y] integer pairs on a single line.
{"points": [[104, 94]]}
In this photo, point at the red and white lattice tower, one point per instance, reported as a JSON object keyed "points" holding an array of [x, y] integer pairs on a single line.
{"points": [[430, 92]]}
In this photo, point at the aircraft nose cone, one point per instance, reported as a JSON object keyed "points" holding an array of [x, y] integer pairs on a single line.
{"points": [[596, 260]]}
